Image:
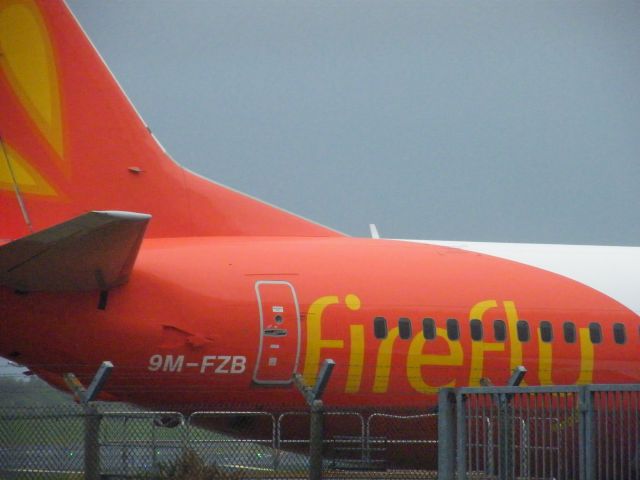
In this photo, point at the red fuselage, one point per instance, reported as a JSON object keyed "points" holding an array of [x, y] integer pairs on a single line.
{"points": [[226, 321]]}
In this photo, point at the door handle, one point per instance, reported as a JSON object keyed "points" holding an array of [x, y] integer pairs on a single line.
{"points": [[274, 332]]}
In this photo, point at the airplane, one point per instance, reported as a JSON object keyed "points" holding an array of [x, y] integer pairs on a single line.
{"points": [[199, 294]]}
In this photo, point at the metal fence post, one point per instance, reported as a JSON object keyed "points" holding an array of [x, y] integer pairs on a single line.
{"points": [[505, 438], [315, 438], [506, 447], [461, 437], [586, 434], [446, 435], [582, 411], [313, 398], [92, 421], [91, 417]]}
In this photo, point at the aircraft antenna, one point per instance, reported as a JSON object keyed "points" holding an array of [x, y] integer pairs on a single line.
{"points": [[16, 187]]}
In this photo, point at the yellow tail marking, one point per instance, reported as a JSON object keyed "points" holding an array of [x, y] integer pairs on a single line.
{"points": [[28, 179], [26, 58]]}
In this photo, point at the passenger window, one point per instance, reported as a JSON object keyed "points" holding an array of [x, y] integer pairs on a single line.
{"points": [[404, 328], [619, 335], [428, 328], [453, 330], [523, 330], [499, 330], [546, 331], [476, 330], [569, 332], [595, 333], [380, 327]]}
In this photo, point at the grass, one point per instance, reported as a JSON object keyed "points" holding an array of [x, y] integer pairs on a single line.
{"points": [[190, 466], [25, 431]]}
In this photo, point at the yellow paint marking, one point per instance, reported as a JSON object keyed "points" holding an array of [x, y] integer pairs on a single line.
{"points": [[515, 359], [479, 347], [416, 360], [356, 353], [383, 364], [29, 180], [586, 358], [356, 359], [26, 58], [315, 342], [545, 359], [545, 356], [352, 301]]}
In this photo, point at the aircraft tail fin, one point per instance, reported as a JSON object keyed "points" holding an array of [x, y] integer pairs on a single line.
{"points": [[95, 251], [72, 142]]}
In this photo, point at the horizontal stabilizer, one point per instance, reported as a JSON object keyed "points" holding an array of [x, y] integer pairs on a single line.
{"points": [[95, 251]]}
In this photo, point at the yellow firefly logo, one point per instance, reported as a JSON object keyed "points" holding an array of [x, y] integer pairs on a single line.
{"points": [[450, 354]]}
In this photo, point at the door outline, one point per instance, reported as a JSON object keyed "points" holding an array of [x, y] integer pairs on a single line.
{"points": [[261, 344]]}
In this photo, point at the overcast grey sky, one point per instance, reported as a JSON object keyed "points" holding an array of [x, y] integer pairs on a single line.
{"points": [[498, 121]]}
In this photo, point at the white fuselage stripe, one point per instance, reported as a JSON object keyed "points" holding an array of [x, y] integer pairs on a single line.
{"points": [[614, 271]]}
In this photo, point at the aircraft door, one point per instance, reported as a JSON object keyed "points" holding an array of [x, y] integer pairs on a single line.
{"points": [[279, 347]]}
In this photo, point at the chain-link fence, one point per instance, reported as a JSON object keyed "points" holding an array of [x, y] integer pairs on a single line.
{"points": [[590, 432], [33, 441], [52, 442]]}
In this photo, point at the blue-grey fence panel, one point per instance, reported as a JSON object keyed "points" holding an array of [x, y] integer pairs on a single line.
{"points": [[563, 432]]}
